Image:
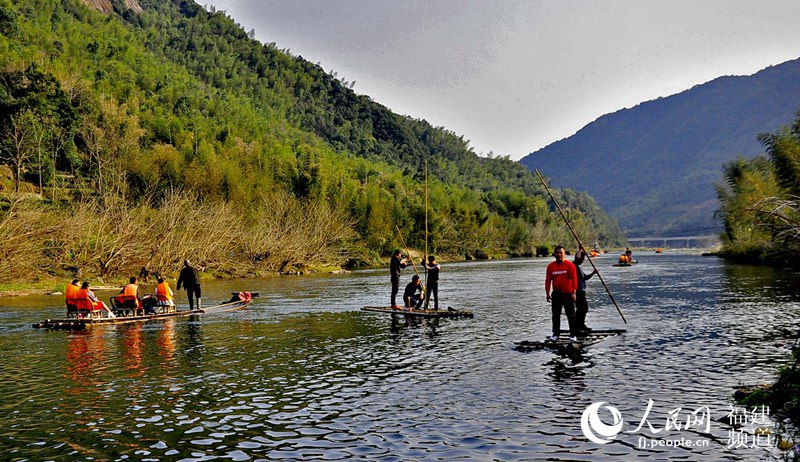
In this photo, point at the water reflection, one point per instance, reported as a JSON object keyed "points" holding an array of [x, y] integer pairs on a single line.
{"points": [[85, 359], [131, 350], [400, 322], [166, 341], [750, 282]]}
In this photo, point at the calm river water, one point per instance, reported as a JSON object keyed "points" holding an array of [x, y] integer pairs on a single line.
{"points": [[303, 374]]}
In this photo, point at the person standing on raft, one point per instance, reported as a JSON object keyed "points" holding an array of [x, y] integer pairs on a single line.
{"points": [[395, 267], [190, 280], [562, 276], [581, 305], [432, 288]]}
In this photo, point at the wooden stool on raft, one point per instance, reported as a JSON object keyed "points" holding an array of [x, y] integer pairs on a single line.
{"points": [[158, 304], [126, 305], [82, 308]]}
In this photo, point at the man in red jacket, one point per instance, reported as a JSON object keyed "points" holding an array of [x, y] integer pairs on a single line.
{"points": [[562, 276]]}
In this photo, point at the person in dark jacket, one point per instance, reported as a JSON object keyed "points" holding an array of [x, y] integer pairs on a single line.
{"points": [[413, 295], [433, 282], [190, 280], [396, 265], [581, 305]]}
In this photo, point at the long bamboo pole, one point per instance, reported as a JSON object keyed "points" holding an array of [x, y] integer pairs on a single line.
{"points": [[564, 216], [403, 241], [424, 260], [426, 222], [408, 252]]}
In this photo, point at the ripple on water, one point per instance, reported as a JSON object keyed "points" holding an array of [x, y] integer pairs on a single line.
{"points": [[294, 378]]}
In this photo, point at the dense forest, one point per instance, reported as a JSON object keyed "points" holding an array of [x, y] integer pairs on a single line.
{"points": [[134, 137], [760, 201]]}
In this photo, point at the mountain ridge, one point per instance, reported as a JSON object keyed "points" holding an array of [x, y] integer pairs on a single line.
{"points": [[687, 135]]}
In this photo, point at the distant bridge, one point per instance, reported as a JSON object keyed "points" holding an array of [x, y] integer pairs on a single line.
{"points": [[679, 242]]}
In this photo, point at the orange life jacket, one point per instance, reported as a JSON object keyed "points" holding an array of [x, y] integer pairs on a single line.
{"points": [[71, 291], [83, 294], [163, 291], [131, 290]]}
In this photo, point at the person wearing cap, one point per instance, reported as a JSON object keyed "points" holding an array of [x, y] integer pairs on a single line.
{"points": [[412, 296], [190, 280], [395, 267], [433, 282]]}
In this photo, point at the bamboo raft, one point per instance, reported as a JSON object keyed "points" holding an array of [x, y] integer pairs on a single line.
{"points": [[449, 312], [83, 323], [564, 345], [624, 264]]}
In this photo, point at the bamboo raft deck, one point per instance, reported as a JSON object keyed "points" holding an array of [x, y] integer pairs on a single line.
{"points": [[449, 312], [83, 323], [564, 345]]}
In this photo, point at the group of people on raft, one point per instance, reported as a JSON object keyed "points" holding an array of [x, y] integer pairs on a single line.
{"points": [[81, 301], [568, 284], [414, 295], [565, 288]]}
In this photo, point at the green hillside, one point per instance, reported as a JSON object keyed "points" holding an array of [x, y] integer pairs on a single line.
{"points": [[136, 138]]}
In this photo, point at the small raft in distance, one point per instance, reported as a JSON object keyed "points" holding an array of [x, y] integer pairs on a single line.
{"points": [[83, 323], [565, 345], [449, 312], [625, 264]]}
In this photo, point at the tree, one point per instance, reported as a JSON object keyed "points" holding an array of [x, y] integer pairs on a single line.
{"points": [[17, 146]]}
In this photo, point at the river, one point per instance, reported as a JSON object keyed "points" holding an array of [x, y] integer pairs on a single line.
{"points": [[303, 373]]}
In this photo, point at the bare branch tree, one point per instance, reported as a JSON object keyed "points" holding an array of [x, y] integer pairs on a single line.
{"points": [[17, 148]]}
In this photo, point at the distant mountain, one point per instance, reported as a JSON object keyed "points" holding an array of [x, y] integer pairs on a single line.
{"points": [[653, 166]]}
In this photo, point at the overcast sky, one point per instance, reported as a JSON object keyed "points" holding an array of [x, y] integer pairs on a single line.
{"points": [[513, 76]]}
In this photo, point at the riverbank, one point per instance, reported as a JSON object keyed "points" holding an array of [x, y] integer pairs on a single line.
{"points": [[783, 400], [56, 285]]}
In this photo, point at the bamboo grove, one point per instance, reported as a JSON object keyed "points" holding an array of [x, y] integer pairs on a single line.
{"points": [[760, 201], [132, 138]]}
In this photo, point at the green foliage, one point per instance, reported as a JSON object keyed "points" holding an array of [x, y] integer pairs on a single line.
{"points": [[140, 106], [759, 202], [783, 396]]}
